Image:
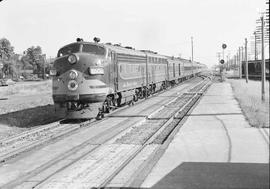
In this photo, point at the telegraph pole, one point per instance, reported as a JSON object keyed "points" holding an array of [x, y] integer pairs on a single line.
{"points": [[243, 56], [222, 61], [237, 60], [246, 60], [228, 62], [263, 61], [240, 63], [192, 54], [234, 61], [255, 46]]}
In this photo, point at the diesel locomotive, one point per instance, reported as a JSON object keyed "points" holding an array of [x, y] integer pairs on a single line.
{"points": [[90, 78]]}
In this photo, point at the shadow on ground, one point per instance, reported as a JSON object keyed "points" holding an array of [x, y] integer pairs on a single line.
{"points": [[191, 175], [31, 117], [204, 175]]}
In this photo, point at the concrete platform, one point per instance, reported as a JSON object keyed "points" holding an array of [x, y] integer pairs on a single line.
{"points": [[215, 148]]}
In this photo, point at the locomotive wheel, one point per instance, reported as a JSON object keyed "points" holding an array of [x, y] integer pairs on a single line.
{"points": [[131, 103], [118, 102], [105, 107], [135, 98], [100, 115]]}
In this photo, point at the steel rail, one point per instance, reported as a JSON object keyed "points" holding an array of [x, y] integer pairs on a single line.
{"points": [[150, 139], [83, 145], [52, 162], [140, 174], [73, 127]]}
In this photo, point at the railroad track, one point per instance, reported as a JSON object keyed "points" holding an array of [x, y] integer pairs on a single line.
{"points": [[31, 139], [25, 141], [112, 133], [168, 129], [170, 115]]}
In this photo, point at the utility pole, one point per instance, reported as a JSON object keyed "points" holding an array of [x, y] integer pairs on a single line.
{"points": [[44, 64], [240, 63], [237, 60], [243, 57], [228, 61], [224, 46], [263, 61], [255, 46], [246, 60], [192, 56]]}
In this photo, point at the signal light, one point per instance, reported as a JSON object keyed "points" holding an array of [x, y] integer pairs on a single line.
{"points": [[222, 61]]}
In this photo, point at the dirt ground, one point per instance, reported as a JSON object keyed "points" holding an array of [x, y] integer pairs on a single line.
{"points": [[25, 105]]}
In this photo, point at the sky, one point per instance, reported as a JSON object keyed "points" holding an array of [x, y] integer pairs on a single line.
{"points": [[164, 26]]}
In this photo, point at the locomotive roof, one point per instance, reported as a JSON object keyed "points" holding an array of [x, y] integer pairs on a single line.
{"points": [[120, 49], [84, 42], [130, 51], [123, 50]]}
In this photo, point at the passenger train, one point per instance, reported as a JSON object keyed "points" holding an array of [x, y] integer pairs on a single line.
{"points": [[90, 78]]}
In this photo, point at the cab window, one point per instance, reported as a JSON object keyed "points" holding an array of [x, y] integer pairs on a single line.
{"points": [[73, 48], [93, 49]]}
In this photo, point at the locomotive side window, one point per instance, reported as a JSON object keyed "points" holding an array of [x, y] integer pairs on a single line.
{"points": [[73, 48], [93, 49]]}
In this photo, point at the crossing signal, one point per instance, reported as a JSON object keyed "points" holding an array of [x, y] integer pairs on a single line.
{"points": [[222, 61]]}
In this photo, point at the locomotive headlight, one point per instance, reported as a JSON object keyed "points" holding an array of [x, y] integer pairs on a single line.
{"points": [[73, 74], [72, 59], [72, 85]]}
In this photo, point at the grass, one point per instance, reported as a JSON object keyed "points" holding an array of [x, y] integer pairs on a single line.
{"points": [[27, 88], [25, 105], [249, 98]]}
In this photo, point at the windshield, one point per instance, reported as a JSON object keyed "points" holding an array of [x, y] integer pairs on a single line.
{"points": [[93, 49], [73, 48]]}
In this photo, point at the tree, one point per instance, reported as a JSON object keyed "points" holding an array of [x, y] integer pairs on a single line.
{"points": [[10, 69], [6, 52], [33, 56]]}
